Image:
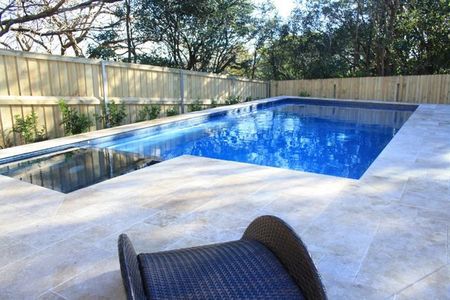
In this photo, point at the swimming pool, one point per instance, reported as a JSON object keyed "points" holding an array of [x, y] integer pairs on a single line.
{"points": [[338, 138]]}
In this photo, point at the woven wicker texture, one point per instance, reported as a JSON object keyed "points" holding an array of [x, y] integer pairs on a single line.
{"points": [[129, 268], [235, 270], [279, 238]]}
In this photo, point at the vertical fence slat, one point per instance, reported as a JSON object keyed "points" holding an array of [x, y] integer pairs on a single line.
{"points": [[3, 78], [11, 75], [412, 89], [27, 74]]}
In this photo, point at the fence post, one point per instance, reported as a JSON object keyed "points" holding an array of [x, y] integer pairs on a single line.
{"points": [[233, 86], [397, 88], [182, 91], [268, 88], [105, 91]]}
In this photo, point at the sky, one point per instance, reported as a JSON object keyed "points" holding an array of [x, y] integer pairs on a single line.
{"points": [[284, 7]]}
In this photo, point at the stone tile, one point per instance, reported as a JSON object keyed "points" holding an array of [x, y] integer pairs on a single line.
{"points": [[391, 168], [93, 234], [114, 216], [146, 237], [343, 237], [244, 206], [50, 296], [184, 200], [405, 248], [234, 186], [187, 242], [80, 199], [302, 184], [26, 197], [338, 289], [433, 166], [9, 212], [45, 231], [381, 186], [163, 218], [298, 212], [124, 185], [12, 251], [434, 286], [209, 169], [337, 266], [212, 226], [430, 194], [342, 232], [16, 190], [34, 275], [13, 221], [386, 233], [102, 281]]}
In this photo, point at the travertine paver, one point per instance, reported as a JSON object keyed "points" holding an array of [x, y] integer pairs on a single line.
{"points": [[384, 236]]}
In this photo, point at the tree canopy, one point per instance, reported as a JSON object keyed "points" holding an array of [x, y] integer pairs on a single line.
{"points": [[321, 38]]}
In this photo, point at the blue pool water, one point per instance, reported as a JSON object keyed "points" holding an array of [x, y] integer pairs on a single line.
{"points": [[333, 138]]}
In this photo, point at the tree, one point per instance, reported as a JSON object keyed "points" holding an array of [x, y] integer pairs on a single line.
{"points": [[204, 35], [117, 39], [321, 39], [423, 46], [346, 38], [48, 24]]}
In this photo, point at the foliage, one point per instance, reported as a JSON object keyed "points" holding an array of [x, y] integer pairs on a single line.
{"points": [[321, 38], [7, 141], [50, 26], [115, 116], [27, 128], [195, 106], [173, 111], [203, 35], [73, 121], [304, 94], [149, 112], [214, 103], [345, 38], [232, 100]]}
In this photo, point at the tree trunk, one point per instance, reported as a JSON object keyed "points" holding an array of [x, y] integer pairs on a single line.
{"points": [[128, 29]]}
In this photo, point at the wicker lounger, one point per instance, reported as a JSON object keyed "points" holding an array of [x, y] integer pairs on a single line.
{"points": [[268, 262]]}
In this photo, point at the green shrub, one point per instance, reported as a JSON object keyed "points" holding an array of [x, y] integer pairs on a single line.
{"points": [[7, 142], [214, 103], [248, 99], [173, 111], [195, 106], [232, 100], [304, 94], [149, 112], [74, 122], [27, 128], [116, 114]]}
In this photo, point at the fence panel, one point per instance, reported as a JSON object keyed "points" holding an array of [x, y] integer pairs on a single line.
{"points": [[411, 89], [31, 82]]}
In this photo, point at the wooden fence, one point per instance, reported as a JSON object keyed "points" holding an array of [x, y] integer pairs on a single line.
{"points": [[411, 89], [35, 82]]}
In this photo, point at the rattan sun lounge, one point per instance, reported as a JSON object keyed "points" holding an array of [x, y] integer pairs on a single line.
{"points": [[268, 262]]}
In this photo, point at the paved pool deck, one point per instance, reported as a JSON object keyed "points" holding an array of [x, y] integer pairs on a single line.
{"points": [[385, 236]]}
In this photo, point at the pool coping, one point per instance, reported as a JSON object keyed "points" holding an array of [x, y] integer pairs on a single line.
{"points": [[362, 234], [7, 154]]}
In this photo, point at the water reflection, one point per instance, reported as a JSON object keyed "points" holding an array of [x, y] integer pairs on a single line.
{"points": [[76, 168], [340, 141]]}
